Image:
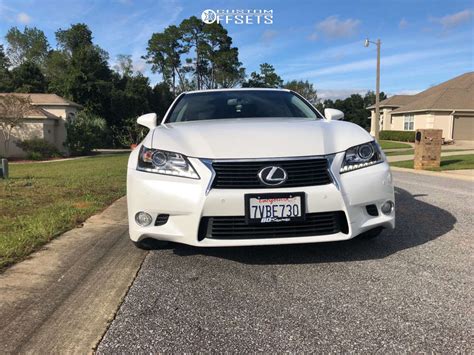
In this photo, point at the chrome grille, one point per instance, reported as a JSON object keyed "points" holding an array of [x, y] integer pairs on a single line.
{"points": [[244, 174]]}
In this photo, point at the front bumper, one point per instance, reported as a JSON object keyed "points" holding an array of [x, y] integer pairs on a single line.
{"points": [[186, 201]]}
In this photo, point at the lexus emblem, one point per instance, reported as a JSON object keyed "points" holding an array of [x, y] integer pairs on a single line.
{"points": [[272, 175]]}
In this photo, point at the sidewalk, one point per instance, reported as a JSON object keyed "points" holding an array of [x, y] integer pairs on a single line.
{"points": [[394, 158], [63, 297], [466, 174]]}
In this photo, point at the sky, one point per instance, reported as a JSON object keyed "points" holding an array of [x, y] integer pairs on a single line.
{"points": [[423, 42]]}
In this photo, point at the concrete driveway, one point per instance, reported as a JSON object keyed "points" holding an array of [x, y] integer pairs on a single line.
{"points": [[408, 291]]}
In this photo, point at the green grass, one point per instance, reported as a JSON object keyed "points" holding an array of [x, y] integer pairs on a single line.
{"points": [[43, 200], [453, 162], [393, 145], [400, 152], [412, 151]]}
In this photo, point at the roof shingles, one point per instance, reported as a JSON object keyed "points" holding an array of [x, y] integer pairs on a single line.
{"points": [[454, 94]]}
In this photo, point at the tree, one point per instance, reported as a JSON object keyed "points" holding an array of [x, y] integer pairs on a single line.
{"points": [[161, 99], [164, 54], [130, 98], [267, 78], [86, 76], [219, 61], [213, 62], [74, 38], [86, 132], [129, 133], [13, 109], [124, 65], [354, 107], [194, 36], [304, 88], [28, 78], [31, 45], [56, 69], [369, 98], [6, 84]]}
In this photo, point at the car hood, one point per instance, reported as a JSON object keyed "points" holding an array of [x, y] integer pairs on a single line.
{"points": [[257, 137]]}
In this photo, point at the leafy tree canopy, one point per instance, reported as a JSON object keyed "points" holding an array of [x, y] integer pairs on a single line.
{"points": [[28, 78], [31, 45], [304, 88], [267, 78]]}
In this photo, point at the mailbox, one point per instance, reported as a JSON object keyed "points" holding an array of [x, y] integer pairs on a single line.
{"points": [[428, 148]]}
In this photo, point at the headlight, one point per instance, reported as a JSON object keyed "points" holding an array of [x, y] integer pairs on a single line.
{"points": [[166, 163], [361, 156]]}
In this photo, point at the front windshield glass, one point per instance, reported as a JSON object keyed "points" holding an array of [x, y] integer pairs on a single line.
{"points": [[216, 105]]}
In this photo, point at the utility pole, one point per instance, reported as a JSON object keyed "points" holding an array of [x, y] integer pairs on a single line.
{"points": [[375, 123]]}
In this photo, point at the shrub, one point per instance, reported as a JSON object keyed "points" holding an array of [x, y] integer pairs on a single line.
{"points": [[84, 133], [35, 156], [38, 149], [400, 136], [129, 132]]}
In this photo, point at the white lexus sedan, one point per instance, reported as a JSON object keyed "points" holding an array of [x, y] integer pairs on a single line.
{"points": [[239, 167]]}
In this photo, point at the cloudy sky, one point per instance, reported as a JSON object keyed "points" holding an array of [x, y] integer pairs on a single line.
{"points": [[423, 42]]}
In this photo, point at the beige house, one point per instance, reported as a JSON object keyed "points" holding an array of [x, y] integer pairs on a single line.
{"points": [[46, 120], [448, 106]]}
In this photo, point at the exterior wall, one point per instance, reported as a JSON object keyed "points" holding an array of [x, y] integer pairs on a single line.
{"points": [[397, 122], [438, 120], [387, 117], [63, 112], [444, 121], [30, 129], [381, 119], [51, 130]]}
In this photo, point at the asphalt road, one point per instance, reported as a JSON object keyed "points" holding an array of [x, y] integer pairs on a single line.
{"points": [[408, 291]]}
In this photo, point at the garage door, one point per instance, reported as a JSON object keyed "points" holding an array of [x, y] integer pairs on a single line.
{"points": [[463, 128]]}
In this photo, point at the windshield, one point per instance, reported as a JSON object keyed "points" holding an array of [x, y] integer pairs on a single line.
{"points": [[240, 104]]}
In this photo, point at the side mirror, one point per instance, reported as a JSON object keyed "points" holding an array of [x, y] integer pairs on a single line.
{"points": [[333, 114], [148, 120]]}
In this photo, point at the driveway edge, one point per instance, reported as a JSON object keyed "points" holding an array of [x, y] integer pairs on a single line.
{"points": [[63, 297]]}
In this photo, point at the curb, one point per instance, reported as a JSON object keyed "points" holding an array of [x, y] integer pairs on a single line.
{"points": [[434, 173]]}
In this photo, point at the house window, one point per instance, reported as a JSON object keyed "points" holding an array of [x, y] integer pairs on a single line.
{"points": [[70, 117], [409, 123]]}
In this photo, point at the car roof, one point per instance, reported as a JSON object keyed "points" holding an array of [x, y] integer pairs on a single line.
{"points": [[235, 89]]}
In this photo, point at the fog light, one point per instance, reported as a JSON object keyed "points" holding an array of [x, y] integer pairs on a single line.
{"points": [[143, 219], [387, 207]]}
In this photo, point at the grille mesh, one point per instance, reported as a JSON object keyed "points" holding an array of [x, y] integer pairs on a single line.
{"points": [[235, 227], [244, 174]]}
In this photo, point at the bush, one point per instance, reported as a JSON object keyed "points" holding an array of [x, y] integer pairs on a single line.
{"points": [[400, 136], [85, 133], [129, 133], [38, 149]]}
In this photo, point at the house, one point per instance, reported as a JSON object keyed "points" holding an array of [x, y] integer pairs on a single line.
{"points": [[47, 120], [448, 106]]}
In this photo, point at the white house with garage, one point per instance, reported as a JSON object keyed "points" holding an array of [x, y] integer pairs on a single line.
{"points": [[448, 106]]}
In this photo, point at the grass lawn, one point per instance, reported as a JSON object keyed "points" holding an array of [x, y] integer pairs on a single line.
{"points": [[412, 151], [43, 200], [400, 152], [453, 162], [393, 145]]}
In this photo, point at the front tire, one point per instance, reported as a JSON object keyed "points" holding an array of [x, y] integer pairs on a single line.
{"points": [[371, 234], [151, 244]]}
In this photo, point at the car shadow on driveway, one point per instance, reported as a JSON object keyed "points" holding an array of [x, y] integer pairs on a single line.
{"points": [[417, 222]]}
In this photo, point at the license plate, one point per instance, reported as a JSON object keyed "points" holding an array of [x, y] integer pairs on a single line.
{"points": [[274, 208]]}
